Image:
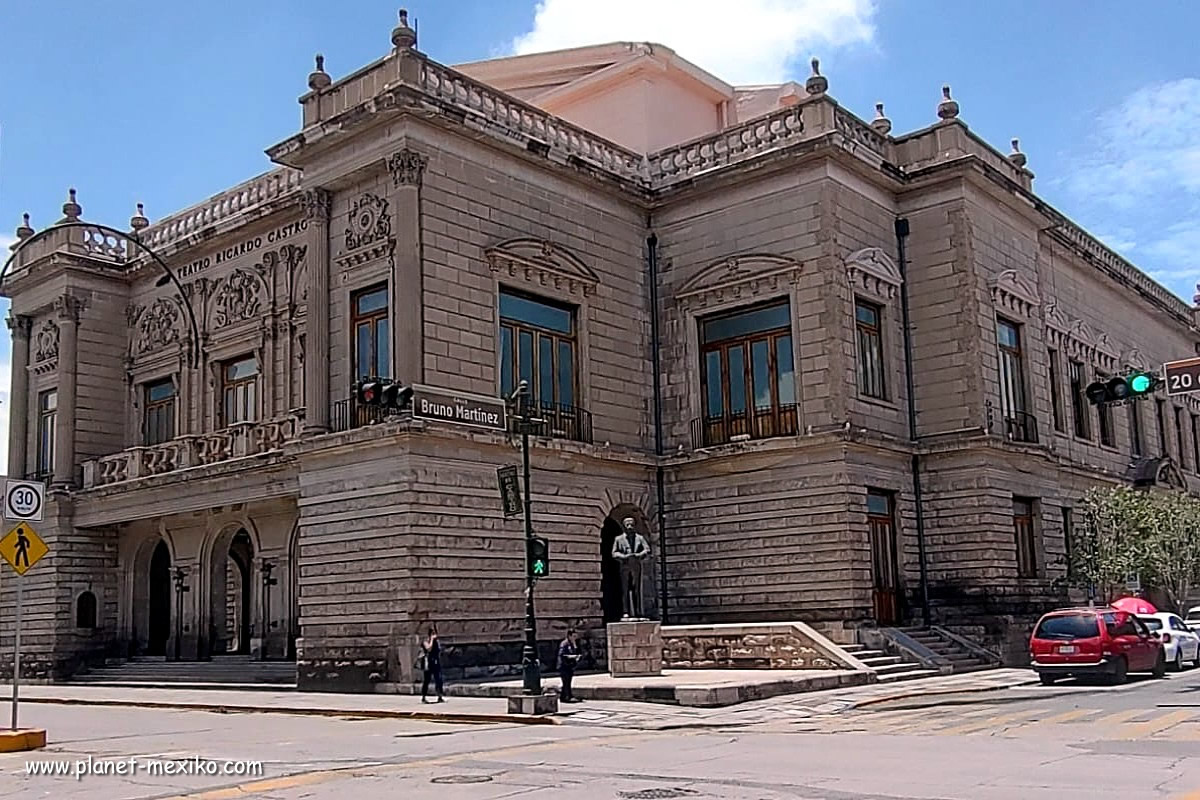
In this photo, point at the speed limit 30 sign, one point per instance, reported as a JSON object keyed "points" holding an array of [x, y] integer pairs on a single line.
{"points": [[24, 500]]}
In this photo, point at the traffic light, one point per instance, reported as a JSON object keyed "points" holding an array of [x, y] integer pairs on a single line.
{"points": [[382, 393], [396, 396], [538, 560], [368, 392], [1121, 388]]}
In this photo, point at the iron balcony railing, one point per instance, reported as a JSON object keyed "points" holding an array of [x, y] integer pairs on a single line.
{"points": [[1021, 427], [349, 414], [557, 421], [765, 422]]}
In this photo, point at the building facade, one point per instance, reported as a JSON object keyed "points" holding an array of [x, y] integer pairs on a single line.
{"points": [[709, 306]]}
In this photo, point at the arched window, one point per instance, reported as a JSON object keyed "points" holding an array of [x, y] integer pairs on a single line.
{"points": [[85, 611]]}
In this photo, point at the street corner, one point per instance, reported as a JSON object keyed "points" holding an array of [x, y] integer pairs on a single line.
{"points": [[22, 740]]}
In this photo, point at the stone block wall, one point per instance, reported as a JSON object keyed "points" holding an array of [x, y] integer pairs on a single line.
{"points": [[751, 646], [635, 647]]}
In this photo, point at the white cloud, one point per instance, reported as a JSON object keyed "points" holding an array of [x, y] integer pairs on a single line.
{"points": [[753, 41]]}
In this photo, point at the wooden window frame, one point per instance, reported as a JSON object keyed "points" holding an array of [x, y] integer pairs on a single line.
{"points": [[1137, 444], [869, 341], [47, 433], [252, 407], [1080, 419], [151, 407], [1025, 532], [380, 364], [511, 363]]}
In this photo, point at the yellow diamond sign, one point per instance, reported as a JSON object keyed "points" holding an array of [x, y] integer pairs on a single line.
{"points": [[22, 548]]}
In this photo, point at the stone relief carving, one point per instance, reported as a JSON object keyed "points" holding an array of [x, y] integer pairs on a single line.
{"points": [[370, 222], [407, 167], [317, 205], [872, 271], [20, 325], [238, 299], [154, 326], [744, 275], [46, 344], [1014, 292], [542, 262]]}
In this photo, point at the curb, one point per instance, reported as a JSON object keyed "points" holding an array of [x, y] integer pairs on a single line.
{"points": [[912, 695], [21, 740], [226, 708]]}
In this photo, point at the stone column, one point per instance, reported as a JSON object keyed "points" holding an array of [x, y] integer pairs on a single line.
{"points": [[18, 423], [68, 309], [407, 168], [317, 203]]}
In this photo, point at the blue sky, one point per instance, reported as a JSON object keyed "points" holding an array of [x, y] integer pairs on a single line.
{"points": [[167, 103]]}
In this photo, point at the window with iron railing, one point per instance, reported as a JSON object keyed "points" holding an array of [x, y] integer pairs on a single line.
{"points": [[372, 340], [747, 376]]}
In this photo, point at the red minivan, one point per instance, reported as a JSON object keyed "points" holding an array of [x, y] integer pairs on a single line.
{"points": [[1094, 641]]}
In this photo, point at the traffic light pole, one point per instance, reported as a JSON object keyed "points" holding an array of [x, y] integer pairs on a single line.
{"points": [[530, 667]]}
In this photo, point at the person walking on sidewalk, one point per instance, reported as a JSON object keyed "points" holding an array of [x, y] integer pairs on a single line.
{"points": [[431, 658], [568, 657]]}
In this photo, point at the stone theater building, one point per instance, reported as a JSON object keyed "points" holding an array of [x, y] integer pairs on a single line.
{"points": [[707, 287]]}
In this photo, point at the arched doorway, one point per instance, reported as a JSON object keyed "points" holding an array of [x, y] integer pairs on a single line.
{"points": [[159, 619], [231, 614], [611, 604]]}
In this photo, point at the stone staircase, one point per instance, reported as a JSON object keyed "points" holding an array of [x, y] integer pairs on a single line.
{"points": [[888, 668], [222, 672], [961, 655], [898, 654]]}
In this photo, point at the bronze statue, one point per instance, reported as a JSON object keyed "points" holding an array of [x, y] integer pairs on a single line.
{"points": [[629, 550]]}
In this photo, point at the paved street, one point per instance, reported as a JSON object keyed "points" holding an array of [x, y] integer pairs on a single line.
{"points": [[1067, 741]]}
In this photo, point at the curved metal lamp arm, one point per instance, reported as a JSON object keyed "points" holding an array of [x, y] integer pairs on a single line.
{"points": [[194, 350]]}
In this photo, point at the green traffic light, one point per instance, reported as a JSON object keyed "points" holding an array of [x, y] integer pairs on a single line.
{"points": [[539, 567], [1140, 384]]}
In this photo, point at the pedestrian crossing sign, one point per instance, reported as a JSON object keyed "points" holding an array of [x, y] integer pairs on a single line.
{"points": [[22, 548]]}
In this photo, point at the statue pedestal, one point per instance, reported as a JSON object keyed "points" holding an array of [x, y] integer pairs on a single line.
{"points": [[635, 648]]}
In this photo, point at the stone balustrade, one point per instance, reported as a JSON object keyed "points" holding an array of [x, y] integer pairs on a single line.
{"points": [[237, 441]]}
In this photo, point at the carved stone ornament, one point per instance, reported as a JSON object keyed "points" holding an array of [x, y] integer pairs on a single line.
{"points": [[871, 270], [543, 263], [370, 222], [407, 167], [1132, 357], [46, 344], [745, 275], [1106, 354], [1015, 293], [20, 325], [154, 327], [238, 299], [317, 205]]}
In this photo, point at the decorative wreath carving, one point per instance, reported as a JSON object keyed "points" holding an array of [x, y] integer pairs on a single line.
{"points": [[239, 298], [370, 222], [156, 326], [46, 344]]}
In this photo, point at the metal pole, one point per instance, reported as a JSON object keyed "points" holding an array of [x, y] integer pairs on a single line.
{"points": [[16, 682], [529, 658]]}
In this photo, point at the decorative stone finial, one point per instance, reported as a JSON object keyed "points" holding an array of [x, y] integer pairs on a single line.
{"points": [[138, 220], [24, 231], [816, 83], [71, 209], [1016, 156], [319, 79], [881, 123], [948, 108], [404, 37]]}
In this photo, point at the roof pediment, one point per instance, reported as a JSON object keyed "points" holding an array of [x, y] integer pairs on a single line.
{"points": [[544, 262], [1015, 292], [871, 269]]}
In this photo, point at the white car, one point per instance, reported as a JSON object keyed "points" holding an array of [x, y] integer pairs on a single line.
{"points": [[1193, 618], [1179, 642]]}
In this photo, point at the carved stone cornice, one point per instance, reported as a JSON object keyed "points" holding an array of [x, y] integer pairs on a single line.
{"points": [[1015, 293], [871, 270], [20, 325], [69, 308], [317, 205], [407, 167], [746, 275], [544, 263]]}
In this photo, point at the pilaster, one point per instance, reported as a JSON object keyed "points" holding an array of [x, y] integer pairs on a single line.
{"points": [[407, 168], [317, 203], [18, 429], [68, 309]]}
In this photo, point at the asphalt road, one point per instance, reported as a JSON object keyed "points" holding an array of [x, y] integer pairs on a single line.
{"points": [[1135, 742]]}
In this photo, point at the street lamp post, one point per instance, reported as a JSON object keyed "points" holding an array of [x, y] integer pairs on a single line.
{"points": [[180, 589], [530, 666]]}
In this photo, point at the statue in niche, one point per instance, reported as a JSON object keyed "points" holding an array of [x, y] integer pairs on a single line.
{"points": [[630, 550]]}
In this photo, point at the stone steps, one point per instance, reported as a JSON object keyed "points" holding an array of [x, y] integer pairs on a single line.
{"points": [[222, 672]]}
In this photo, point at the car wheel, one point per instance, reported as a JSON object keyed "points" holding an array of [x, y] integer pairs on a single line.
{"points": [[1178, 665], [1196, 660], [1120, 672], [1160, 665], [1046, 678]]}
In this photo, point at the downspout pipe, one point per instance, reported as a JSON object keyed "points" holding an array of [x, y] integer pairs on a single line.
{"points": [[918, 500], [656, 365]]}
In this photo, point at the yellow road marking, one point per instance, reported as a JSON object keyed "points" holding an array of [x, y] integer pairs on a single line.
{"points": [[1185, 732], [1066, 716], [978, 725], [1139, 730], [1119, 717]]}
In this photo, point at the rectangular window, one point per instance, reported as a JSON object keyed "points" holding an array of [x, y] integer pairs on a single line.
{"points": [[239, 391], [1079, 408], [1196, 443], [1135, 429], [372, 339], [1179, 448], [1068, 525], [867, 322], [748, 376], [1161, 419], [46, 436], [1023, 528], [1018, 424], [158, 400], [1104, 413], [545, 349], [1056, 407]]}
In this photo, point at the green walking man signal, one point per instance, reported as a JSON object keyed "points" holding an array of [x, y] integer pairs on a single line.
{"points": [[538, 560]]}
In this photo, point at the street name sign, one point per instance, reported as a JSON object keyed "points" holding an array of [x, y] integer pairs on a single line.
{"points": [[22, 548], [458, 408], [24, 500], [1183, 376], [510, 491]]}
